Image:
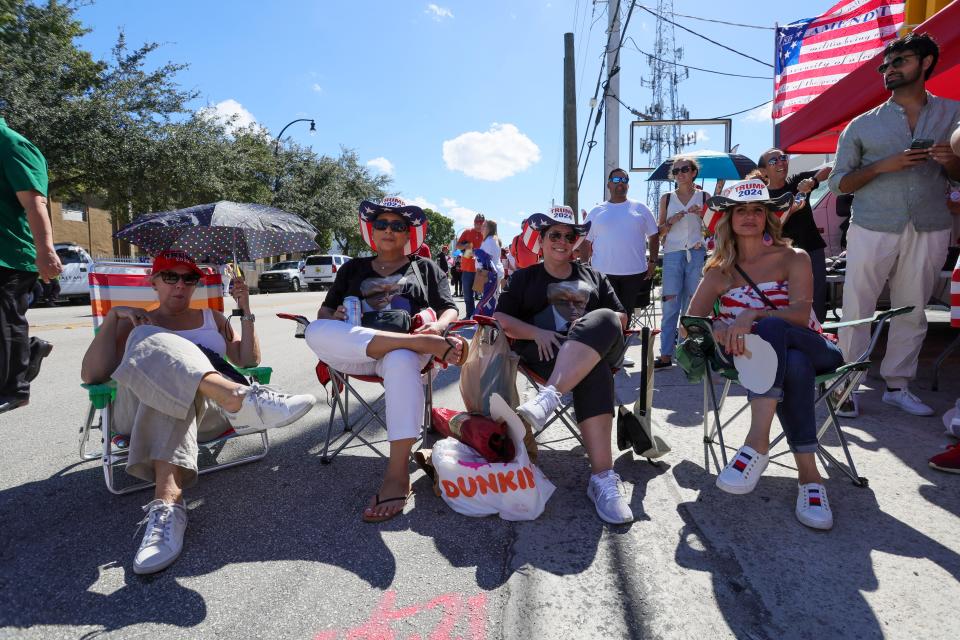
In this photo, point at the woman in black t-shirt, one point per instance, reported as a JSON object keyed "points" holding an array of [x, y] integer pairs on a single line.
{"points": [[798, 223], [568, 326], [405, 285]]}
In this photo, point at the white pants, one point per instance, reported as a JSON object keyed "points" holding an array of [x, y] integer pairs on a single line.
{"points": [[911, 260], [344, 348]]}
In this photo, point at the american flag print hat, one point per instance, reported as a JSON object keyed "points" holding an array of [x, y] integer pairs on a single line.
{"points": [[741, 192], [414, 215]]}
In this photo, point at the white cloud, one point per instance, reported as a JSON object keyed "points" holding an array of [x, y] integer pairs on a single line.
{"points": [[702, 136], [760, 114], [462, 216], [382, 165], [448, 203], [437, 12], [423, 203], [231, 113], [317, 88], [495, 154]]}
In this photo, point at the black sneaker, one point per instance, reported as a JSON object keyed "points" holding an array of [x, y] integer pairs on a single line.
{"points": [[9, 404], [39, 349], [662, 364]]}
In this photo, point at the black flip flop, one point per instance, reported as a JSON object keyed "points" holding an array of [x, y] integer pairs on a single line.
{"points": [[378, 502], [453, 345]]}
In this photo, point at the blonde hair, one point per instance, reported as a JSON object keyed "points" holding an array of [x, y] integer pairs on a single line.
{"points": [[693, 163], [724, 255]]}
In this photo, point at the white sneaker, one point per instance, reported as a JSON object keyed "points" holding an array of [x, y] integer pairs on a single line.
{"points": [[743, 472], [813, 507], [264, 408], [163, 539], [627, 362], [606, 491], [907, 401], [536, 410]]}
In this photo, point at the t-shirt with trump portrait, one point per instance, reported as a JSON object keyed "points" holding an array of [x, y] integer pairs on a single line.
{"points": [[397, 290], [536, 297]]}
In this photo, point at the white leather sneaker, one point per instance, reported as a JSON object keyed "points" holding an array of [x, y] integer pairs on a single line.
{"points": [[265, 408], [813, 507], [743, 472], [907, 401], [163, 540]]}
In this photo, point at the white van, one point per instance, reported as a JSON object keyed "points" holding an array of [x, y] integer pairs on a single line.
{"points": [[74, 281], [322, 270]]}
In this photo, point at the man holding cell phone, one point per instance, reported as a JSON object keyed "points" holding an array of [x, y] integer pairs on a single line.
{"points": [[897, 159]]}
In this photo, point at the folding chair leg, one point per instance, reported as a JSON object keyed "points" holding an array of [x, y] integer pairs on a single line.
{"points": [[716, 415], [851, 468], [85, 430]]}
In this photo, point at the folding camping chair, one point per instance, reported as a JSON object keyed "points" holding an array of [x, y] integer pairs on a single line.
{"points": [[645, 312], [342, 388], [833, 389], [128, 284], [564, 413]]}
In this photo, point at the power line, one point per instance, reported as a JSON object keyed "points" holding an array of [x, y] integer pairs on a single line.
{"points": [[687, 66], [736, 113], [700, 35], [732, 24], [643, 116]]}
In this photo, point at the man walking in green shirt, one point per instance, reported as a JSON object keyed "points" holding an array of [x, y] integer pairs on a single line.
{"points": [[26, 251]]}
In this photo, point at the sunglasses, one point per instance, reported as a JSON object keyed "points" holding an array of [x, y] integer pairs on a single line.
{"points": [[554, 236], [172, 277], [896, 63], [619, 180], [775, 159], [397, 226], [684, 169]]}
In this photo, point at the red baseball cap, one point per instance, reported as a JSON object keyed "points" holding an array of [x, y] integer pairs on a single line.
{"points": [[168, 259]]}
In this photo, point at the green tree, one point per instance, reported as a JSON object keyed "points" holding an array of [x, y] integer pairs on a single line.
{"points": [[440, 230]]}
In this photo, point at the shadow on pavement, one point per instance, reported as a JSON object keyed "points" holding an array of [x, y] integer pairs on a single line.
{"points": [[762, 561]]}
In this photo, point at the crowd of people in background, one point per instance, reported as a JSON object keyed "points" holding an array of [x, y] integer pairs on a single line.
{"points": [[564, 290]]}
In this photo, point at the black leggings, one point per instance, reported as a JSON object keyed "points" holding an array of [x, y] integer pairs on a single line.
{"points": [[600, 330]]}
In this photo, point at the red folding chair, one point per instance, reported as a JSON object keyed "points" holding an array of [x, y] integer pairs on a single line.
{"points": [[341, 389]]}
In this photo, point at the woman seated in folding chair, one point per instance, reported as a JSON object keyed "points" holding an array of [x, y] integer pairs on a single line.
{"points": [[170, 394], [764, 286], [394, 287], [568, 326]]}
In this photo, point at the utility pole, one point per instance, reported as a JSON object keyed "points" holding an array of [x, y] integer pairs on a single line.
{"points": [[570, 127], [611, 109]]}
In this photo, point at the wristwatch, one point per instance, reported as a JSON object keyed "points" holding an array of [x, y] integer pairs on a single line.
{"points": [[248, 316]]}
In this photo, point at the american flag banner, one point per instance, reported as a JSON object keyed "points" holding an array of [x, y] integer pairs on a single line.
{"points": [[955, 297], [815, 53]]}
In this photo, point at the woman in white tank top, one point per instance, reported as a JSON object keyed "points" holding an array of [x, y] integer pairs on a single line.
{"points": [[681, 228]]}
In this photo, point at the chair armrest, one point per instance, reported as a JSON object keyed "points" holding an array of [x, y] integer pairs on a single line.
{"points": [[101, 394], [260, 374], [880, 317]]}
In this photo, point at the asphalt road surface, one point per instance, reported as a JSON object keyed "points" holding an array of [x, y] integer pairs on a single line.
{"points": [[276, 549]]}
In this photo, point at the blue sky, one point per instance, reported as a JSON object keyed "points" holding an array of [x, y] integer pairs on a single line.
{"points": [[460, 102]]}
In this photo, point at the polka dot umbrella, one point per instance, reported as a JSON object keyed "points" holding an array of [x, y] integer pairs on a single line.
{"points": [[222, 232]]}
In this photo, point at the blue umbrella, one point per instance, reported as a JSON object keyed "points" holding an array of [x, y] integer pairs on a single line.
{"points": [[714, 165]]}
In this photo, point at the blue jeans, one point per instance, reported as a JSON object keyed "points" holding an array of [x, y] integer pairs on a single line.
{"points": [[802, 355], [466, 280], [680, 280]]}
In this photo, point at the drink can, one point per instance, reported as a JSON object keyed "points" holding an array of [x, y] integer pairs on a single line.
{"points": [[799, 198], [352, 305]]}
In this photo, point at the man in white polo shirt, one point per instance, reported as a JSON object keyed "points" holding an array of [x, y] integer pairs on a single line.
{"points": [[617, 243]]}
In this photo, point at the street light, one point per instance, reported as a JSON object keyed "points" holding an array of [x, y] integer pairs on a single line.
{"points": [[276, 148]]}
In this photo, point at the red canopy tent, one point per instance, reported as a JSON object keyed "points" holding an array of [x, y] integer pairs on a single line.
{"points": [[816, 127]]}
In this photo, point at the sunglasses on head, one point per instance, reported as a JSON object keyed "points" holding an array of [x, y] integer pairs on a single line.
{"points": [[684, 169], [775, 159], [554, 236], [397, 226], [895, 63], [172, 277], [619, 179]]}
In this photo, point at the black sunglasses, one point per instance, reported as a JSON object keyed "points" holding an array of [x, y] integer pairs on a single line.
{"points": [[619, 179], [553, 236], [896, 63], [684, 169], [172, 277], [775, 159], [397, 226]]}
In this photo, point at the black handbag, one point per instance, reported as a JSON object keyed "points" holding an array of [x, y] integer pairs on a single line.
{"points": [[223, 367], [392, 320]]}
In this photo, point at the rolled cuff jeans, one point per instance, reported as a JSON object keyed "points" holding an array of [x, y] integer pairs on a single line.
{"points": [[682, 271], [802, 355]]}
